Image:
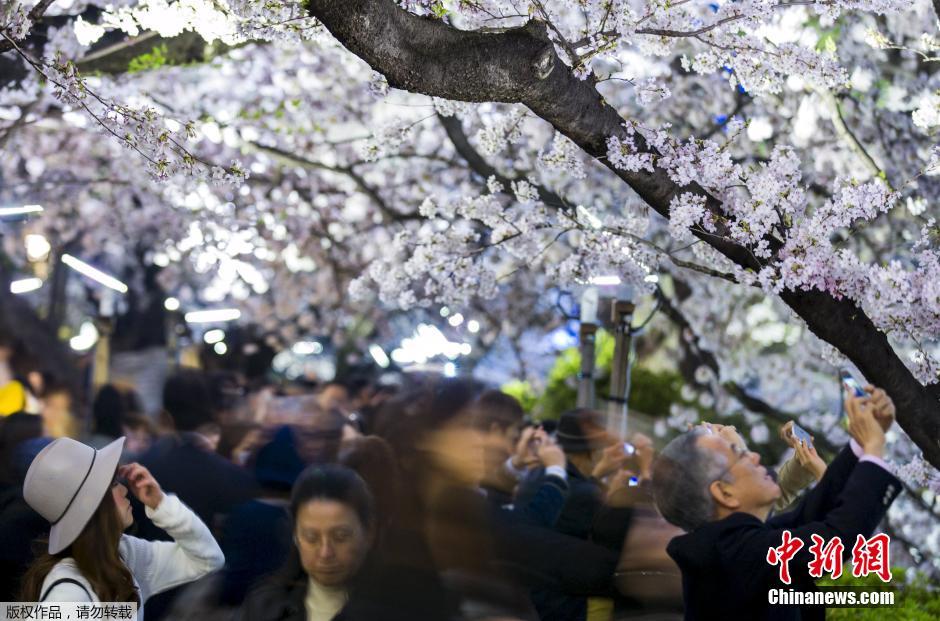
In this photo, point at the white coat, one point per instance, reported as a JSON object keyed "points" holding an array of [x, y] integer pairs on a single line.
{"points": [[155, 565]]}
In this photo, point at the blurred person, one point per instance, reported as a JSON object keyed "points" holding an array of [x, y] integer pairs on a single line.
{"points": [[334, 395], [438, 559], [14, 430], [596, 475], [722, 497], [20, 441], [139, 433], [109, 412], [244, 440], [56, 411], [333, 527], [185, 463], [372, 458], [500, 418], [592, 454], [227, 395], [320, 437], [78, 489], [256, 537], [370, 403]]}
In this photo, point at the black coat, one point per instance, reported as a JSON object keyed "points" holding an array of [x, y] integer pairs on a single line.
{"points": [[601, 530], [206, 482], [725, 573]]}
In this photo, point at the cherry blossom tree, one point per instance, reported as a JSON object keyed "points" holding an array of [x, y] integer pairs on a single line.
{"points": [[766, 169]]}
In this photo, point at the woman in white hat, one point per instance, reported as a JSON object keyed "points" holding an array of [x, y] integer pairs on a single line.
{"points": [[78, 490]]}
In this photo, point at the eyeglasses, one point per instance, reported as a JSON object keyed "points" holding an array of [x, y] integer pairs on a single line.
{"points": [[740, 453]]}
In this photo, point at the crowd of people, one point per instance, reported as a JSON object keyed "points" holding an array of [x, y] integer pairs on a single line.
{"points": [[436, 499]]}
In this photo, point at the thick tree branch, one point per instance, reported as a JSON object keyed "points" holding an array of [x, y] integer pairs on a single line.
{"points": [[754, 404], [520, 65], [480, 166]]}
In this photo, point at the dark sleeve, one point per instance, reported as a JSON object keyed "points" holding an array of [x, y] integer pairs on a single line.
{"points": [[611, 525], [577, 516], [543, 558], [543, 507], [820, 500], [869, 492]]}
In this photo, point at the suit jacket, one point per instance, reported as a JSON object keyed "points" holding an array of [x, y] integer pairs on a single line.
{"points": [[725, 573]]}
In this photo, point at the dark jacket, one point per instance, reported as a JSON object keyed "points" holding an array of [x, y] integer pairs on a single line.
{"points": [[20, 527], [584, 512], [206, 482], [725, 573], [276, 601], [584, 516]]}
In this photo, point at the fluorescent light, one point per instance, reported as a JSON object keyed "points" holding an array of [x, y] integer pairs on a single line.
{"points": [[94, 273], [20, 211], [605, 280], [379, 355], [171, 304], [25, 285], [86, 338], [213, 336], [473, 325], [220, 348], [212, 316], [37, 247]]}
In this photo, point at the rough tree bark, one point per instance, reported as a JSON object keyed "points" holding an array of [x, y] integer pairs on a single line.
{"points": [[520, 65]]}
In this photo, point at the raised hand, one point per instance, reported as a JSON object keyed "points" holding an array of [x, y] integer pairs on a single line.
{"points": [[526, 453], [612, 459], [863, 426], [645, 453], [550, 454], [883, 406], [142, 484]]}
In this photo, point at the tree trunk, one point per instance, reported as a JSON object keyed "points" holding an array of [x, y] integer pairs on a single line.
{"points": [[520, 65]]}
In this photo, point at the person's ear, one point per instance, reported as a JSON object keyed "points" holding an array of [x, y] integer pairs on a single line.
{"points": [[723, 493]]}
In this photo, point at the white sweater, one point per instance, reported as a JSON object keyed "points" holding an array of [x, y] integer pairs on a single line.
{"points": [[155, 565]]}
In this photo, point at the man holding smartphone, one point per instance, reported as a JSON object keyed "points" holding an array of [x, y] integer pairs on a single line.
{"points": [[722, 497]]}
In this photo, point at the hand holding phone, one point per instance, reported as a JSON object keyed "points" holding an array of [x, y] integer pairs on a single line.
{"points": [[852, 386], [801, 435]]}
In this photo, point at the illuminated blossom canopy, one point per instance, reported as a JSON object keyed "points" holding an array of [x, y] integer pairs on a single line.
{"points": [[767, 169]]}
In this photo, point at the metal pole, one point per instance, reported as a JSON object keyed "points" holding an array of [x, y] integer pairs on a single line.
{"points": [[621, 317], [587, 336]]}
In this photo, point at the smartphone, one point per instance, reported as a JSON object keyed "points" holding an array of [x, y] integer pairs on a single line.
{"points": [[801, 434], [628, 449], [852, 385]]}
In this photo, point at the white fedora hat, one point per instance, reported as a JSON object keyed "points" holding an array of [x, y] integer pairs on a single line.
{"points": [[66, 483]]}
